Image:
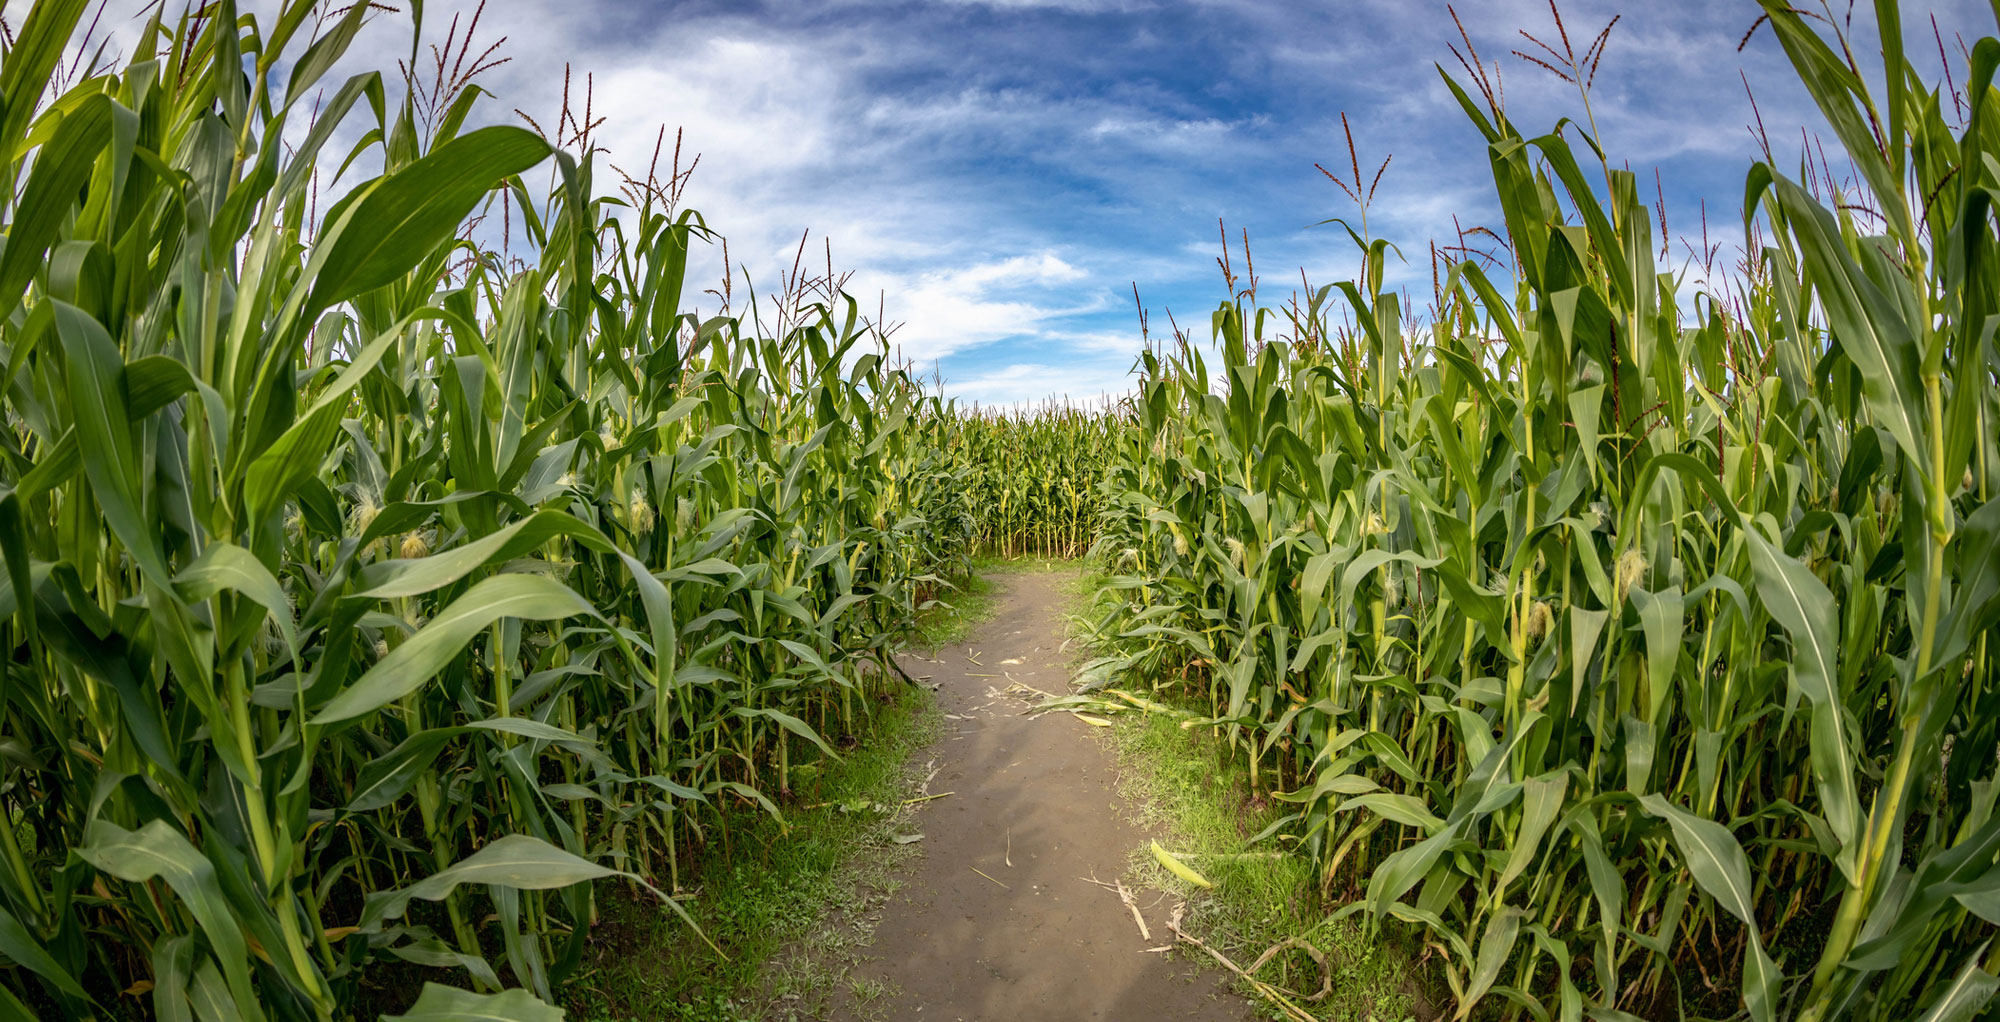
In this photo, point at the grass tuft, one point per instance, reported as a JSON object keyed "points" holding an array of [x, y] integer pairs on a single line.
{"points": [[1185, 787]]}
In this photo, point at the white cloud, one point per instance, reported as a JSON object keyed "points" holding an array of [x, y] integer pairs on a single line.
{"points": [[1026, 386], [1075, 6], [1000, 170], [948, 311]]}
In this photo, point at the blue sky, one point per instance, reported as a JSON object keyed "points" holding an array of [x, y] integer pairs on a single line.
{"points": [[1007, 170], [1001, 172]]}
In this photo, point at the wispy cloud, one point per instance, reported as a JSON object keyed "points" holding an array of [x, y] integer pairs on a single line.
{"points": [[1001, 172]]}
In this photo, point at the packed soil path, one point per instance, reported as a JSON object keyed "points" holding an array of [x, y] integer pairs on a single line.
{"points": [[998, 921]]}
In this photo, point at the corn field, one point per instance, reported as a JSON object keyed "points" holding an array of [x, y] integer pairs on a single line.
{"points": [[1626, 640], [1032, 475], [372, 590], [395, 559]]}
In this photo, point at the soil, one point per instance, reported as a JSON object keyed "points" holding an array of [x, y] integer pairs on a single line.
{"points": [[999, 920]]}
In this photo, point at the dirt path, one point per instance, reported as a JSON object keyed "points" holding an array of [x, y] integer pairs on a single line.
{"points": [[1033, 809]]}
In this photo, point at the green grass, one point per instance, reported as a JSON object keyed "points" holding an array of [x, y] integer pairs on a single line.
{"points": [[1027, 563], [953, 611], [791, 908], [1184, 789], [1184, 786]]}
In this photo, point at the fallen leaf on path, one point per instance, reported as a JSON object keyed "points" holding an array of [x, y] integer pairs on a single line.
{"points": [[1179, 868]]}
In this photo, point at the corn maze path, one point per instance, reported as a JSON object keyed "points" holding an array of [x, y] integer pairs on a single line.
{"points": [[997, 921]]}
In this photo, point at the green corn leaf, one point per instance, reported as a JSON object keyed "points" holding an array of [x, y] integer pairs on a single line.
{"points": [[388, 228], [1662, 615], [1975, 556], [12, 1010], [1963, 872], [1401, 870], [1713, 856], [228, 567], [159, 851], [1967, 994], [1496, 946], [1804, 606], [393, 579], [1607, 887], [412, 664], [208, 994], [25, 950], [273, 475], [1434, 923], [36, 51], [1717, 863], [61, 166], [1834, 87], [789, 723], [1401, 809], [440, 1003], [1866, 322], [437, 954], [173, 967], [320, 57], [1542, 797], [387, 777], [97, 397], [153, 382], [516, 860]]}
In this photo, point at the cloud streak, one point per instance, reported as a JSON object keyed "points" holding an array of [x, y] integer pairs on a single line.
{"points": [[1001, 172]]}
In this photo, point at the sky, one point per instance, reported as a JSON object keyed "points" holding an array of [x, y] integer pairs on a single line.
{"points": [[998, 175]]}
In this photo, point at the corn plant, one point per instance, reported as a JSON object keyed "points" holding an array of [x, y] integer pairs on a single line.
{"points": [[371, 591], [1628, 641], [1032, 475]]}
